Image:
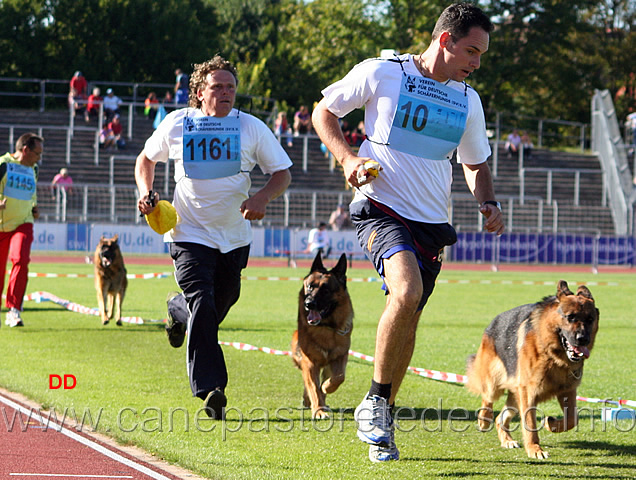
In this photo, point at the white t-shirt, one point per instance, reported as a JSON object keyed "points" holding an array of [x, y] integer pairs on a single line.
{"points": [[318, 238], [415, 187], [209, 208]]}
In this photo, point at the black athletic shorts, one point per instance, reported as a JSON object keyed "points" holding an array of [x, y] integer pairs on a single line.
{"points": [[382, 233]]}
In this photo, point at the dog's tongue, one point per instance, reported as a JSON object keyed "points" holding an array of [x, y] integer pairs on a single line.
{"points": [[313, 317], [582, 351]]}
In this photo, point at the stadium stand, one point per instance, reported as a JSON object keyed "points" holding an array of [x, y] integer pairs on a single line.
{"points": [[552, 191]]}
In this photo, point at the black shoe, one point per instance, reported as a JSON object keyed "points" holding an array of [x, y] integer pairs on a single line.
{"points": [[175, 330], [215, 404]]}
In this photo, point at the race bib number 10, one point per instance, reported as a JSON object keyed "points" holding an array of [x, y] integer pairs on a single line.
{"points": [[430, 118], [211, 147]]}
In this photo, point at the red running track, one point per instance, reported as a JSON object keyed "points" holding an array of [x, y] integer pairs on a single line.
{"points": [[33, 449]]}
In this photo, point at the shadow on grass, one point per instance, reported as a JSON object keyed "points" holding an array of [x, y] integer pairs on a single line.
{"points": [[548, 468], [111, 328], [604, 448]]}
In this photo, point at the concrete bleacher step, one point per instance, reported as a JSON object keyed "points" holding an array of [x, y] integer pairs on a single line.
{"points": [[316, 178]]}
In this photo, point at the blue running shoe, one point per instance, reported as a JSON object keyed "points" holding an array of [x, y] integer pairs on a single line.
{"points": [[375, 422]]}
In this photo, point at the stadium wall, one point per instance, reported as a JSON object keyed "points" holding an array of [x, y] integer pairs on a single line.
{"points": [[291, 242]]}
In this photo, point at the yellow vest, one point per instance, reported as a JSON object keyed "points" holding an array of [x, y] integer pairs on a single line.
{"points": [[18, 187]]}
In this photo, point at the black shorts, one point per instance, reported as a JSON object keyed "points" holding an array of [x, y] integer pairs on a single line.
{"points": [[382, 233]]}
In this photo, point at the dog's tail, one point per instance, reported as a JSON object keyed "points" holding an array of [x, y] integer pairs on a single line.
{"points": [[469, 362]]}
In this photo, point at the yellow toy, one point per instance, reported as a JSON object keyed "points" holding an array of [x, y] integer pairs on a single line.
{"points": [[163, 218]]}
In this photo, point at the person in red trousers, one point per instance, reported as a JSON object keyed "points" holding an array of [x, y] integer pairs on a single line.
{"points": [[18, 210]]}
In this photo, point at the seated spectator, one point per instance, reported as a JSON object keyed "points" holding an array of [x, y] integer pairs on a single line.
{"points": [[107, 138], [512, 143], [302, 121], [339, 219], [62, 180], [77, 92], [111, 104], [358, 135], [116, 128], [78, 83], [151, 104], [282, 128], [527, 145], [168, 101], [92, 105]]}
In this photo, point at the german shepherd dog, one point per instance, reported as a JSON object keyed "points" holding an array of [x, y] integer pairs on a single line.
{"points": [[536, 352], [323, 338], [110, 279]]}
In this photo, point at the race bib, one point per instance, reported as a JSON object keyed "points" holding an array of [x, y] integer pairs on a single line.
{"points": [[430, 118], [211, 147], [20, 182]]}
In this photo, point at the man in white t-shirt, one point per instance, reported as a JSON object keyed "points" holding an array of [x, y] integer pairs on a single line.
{"points": [[214, 147], [112, 103], [418, 111], [513, 143], [318, 240]]}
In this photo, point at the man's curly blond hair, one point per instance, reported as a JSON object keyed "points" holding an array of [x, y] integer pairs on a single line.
{"points": [[198, 79]]}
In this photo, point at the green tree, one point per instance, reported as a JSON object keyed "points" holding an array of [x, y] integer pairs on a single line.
{"points": [[325, 38], [23, 32]]}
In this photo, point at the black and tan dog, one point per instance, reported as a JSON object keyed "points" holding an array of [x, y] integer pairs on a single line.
{"points": [[536, 352], [323, 338], [110, 279]]}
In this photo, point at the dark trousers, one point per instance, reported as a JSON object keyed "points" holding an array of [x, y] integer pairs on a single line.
{"points": [[211, 284]]}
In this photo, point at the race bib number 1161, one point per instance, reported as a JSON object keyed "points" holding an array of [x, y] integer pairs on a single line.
{"points": [[211, 147]]}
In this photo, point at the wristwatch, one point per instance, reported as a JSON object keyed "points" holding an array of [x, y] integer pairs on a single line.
{"points": [[493, 202]]}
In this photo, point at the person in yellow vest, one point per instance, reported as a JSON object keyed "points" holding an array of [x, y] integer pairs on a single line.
{"points": [[18, 210]]}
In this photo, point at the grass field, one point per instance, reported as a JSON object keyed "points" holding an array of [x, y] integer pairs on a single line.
{"points": [[135, 386]]}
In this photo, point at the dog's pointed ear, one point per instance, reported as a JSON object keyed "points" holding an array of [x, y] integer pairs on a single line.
{"points": [[116, 237], [317, 265], [584, 292], [340, 270], [563, 290]]}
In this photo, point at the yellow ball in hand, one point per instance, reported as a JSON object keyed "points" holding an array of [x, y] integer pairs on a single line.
{"points": [[163, 218]]}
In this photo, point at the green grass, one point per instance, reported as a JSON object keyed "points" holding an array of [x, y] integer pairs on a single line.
{"points": [[136, 384]]}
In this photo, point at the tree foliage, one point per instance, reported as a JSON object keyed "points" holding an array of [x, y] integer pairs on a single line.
{"points": [[546, 57]]}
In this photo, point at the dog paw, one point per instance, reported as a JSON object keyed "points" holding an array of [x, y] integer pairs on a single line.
{"points": [[535, 451], [320, 414], [509, 444], [105, 322], [119, 323]]}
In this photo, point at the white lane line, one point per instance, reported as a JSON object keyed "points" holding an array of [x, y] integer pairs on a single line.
{"points": [[86, 441]]}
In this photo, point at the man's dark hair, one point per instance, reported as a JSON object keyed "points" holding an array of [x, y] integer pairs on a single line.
{"points": [[29, 140], [459, 18]]}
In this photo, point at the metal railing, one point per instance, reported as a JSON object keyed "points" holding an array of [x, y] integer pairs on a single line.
{"points": [[549, 188], [39, 129], [606, 142], [88, 203]]}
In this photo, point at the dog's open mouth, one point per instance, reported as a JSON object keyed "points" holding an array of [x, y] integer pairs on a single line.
{"points": [[574, 353], [313, 317]]}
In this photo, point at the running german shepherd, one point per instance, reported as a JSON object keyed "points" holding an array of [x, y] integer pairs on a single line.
{"points": [[323, 338], [536, 352], [110, 278]]}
